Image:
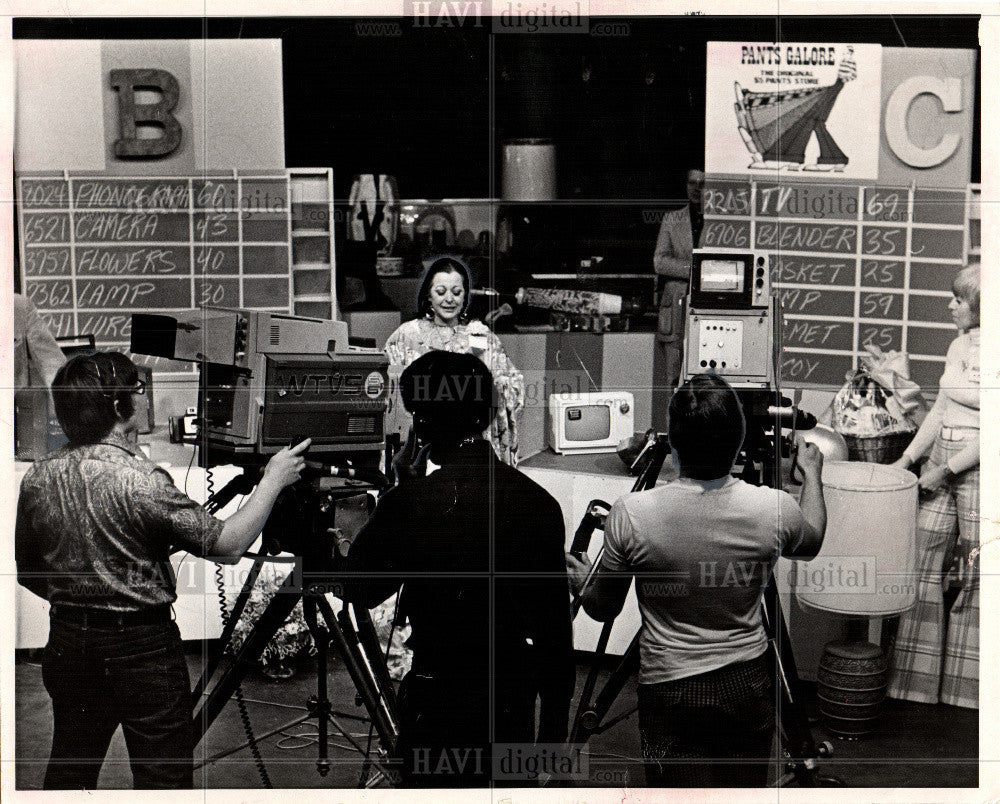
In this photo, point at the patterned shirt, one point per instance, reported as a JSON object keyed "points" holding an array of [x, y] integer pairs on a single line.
{"points": [[96, 525], [420, 336]]}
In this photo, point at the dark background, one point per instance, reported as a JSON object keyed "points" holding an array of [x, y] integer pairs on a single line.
{"points": [[626, 112]]}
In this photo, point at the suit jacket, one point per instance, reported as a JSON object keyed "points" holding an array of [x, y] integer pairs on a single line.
{"points": [[672, 261]]}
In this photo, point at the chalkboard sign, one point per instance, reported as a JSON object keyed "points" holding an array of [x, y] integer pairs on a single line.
{"points": [[94, 250], [853, 265]]}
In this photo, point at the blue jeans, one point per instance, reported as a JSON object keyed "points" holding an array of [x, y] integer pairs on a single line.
{"points": [[99, 678]]}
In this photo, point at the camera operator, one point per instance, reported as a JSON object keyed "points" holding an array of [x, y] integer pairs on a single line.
{"points": [[702, 549], [480, 549], [96, 524]]}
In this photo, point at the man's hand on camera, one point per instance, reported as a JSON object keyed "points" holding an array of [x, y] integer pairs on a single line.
{"points": [[809, 459], [577, 570], [411, 461], [285, 467], [242, 528]]}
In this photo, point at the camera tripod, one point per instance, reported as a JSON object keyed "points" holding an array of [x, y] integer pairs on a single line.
{"points": [[305, 522], [803, 753]]}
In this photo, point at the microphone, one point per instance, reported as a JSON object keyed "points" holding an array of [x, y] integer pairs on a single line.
{"points": [[315, 469], [791, 418]]}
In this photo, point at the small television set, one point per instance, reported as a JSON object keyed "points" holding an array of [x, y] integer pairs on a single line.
{"points": [[595, 422], [729, 279]]}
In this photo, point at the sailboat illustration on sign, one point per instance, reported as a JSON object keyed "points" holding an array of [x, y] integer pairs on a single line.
{"points": [[776, 126]]}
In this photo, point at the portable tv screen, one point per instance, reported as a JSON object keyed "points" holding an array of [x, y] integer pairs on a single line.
{"points": [[587, 423], [722, 276], [720, 281]]}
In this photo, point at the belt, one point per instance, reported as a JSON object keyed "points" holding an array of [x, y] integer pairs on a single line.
{"points": [[105, 618], [958, 433]]}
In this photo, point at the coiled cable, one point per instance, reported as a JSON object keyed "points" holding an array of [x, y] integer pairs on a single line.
{"points": [[220, 582]]}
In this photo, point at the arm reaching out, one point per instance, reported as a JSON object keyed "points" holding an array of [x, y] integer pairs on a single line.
{"points": [[811, 502], [242, 528]]}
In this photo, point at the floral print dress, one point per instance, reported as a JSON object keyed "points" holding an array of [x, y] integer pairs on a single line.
{"points": [[419, 336]]}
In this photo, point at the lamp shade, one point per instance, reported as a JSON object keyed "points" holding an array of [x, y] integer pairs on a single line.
{"points": [[867, 565]]}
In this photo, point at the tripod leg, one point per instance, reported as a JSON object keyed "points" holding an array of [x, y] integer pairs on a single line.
{"points": [[797, 736], [232, 619], [627, 667], [363, 680], [321, 705], [274, 616], [590, 717], [585, 710], [373, 650]]}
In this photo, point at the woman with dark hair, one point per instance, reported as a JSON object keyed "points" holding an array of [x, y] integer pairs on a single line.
{"points": [[442, 324], [936, 658]]}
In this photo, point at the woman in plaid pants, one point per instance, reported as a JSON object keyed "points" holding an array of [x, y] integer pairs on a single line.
{"points": [[936, 653]]}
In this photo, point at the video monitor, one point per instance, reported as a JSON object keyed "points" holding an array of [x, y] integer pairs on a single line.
{"points": [[722, 276], [722, 280]]}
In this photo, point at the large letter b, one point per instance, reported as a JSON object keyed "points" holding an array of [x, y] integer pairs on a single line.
{"points": [[156, 114]]}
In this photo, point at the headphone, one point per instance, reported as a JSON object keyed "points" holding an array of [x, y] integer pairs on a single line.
{"points": [[112, 389], [103, 387]]}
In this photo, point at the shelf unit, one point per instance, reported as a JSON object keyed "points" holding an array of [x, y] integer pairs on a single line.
{"points": [[312, 253]]}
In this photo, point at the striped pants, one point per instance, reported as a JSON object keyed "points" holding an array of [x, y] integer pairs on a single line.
{"points": [[936, 653]]}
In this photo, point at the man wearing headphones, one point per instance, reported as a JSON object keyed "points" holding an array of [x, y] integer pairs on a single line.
{"points": [[96, 524], [479, 548]]}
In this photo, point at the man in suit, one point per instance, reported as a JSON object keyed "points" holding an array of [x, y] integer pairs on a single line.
{"points": [[680, 231]]}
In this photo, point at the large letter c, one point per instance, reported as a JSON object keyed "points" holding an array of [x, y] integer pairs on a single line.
{"points": [[949, 92]]}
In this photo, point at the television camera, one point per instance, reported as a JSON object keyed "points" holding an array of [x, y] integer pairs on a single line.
{"points": [[267, 377], [266, 381], [733, 328]]}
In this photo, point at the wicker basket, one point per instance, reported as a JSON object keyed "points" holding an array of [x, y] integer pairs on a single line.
{"points": [[877, 449]]}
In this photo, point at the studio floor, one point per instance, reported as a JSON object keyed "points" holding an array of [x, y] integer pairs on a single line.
{"points": [[916, 745]]}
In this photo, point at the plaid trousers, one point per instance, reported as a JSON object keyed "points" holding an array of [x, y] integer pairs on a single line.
{"points": [[936, 653], [714, 729]]}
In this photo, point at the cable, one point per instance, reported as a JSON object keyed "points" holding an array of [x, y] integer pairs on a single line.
{"points": [[187, 474], [209, 481], [297, 741], [241, 705], [385, 659]]}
